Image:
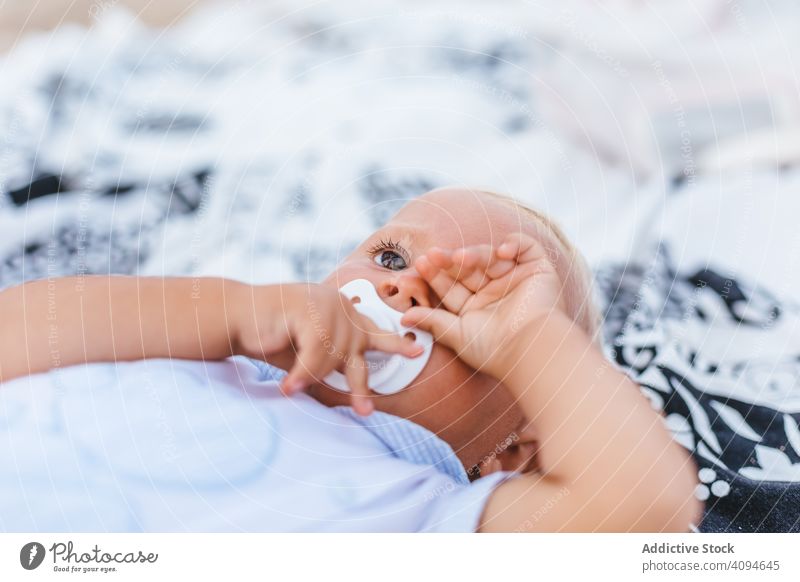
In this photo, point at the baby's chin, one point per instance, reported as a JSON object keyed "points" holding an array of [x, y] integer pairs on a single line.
{"points": [[468, 409], [443, 373]]}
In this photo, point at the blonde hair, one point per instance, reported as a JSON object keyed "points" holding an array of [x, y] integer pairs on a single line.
{"points": [[572, 268]]}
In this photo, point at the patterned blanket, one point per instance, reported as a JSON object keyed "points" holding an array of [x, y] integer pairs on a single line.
{"points": [[721, 358]]}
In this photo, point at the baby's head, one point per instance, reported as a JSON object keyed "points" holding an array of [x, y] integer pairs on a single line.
{"points": [[470, 410]]}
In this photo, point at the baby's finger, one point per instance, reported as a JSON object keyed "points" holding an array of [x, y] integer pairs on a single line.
{"points": [[395, 344], [387, 341], [313, 361], [442, 324], [505, 285], [475, 266], [524, 248], [442, 258], [451, 292], [357, 376]]}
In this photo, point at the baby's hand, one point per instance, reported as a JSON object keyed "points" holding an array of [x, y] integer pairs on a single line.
{"points": [[487, 294], [312, 330]]}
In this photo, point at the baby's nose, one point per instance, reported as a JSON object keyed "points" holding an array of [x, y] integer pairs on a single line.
{"points": [[404, 291]]}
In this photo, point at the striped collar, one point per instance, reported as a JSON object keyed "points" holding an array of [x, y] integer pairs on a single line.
{"points": [[409, 441]]}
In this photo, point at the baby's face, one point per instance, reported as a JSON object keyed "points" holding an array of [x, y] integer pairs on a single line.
{"points": [[470, 410]]}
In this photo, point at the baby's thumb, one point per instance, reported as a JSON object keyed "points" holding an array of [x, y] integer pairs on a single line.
{"points": [[442, 324]]}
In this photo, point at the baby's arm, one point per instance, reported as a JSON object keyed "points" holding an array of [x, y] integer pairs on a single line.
{"points": [[607, 463], [59, 322], [307, 329]]}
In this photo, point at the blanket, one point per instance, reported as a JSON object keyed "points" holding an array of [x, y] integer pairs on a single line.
{"points": [[720, 356]]}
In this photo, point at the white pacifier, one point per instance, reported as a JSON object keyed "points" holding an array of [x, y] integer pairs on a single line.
{"points": [[388, 373]]}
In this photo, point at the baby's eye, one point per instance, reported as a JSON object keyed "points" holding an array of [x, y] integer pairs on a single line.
{"points": [[389, 255], [389, 259]]}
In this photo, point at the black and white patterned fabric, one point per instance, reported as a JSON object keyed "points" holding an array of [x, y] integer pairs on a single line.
{"points": [[243, 145], [720, 357]]}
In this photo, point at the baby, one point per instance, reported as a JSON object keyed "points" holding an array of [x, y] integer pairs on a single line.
{"points": [[515, 411]]}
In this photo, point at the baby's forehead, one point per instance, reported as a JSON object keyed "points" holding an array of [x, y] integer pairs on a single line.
{"points": [[460, 217]]}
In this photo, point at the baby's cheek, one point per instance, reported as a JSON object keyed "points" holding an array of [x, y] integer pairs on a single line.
{"points": [[443, 396], [442, 378], [443, 368]]}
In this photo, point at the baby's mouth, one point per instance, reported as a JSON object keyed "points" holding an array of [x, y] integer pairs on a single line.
{"points": [[388, 373]]}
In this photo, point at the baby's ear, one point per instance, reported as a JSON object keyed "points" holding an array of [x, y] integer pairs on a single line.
{"points": [[522, 458], [517, 453]]}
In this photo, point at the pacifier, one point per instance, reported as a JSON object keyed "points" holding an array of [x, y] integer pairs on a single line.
{"points": [[388, 373]]}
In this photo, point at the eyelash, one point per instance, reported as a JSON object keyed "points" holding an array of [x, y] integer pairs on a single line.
{"points": [[388, 245]]}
